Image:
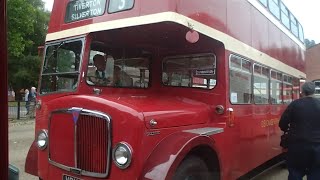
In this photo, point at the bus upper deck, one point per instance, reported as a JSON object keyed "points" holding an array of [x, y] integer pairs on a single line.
{"points": [[267, 29]]}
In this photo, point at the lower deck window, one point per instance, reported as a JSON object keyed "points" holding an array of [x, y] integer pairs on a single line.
{"points": [[195, 71], [240, 80], [113, 69]]}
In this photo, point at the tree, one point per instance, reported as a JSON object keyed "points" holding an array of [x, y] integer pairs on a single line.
{"points": [[20, 24], [309, 43], [24, 72], [27, 28]]}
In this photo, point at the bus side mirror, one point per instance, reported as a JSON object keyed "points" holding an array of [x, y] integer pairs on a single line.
{"points": [[13, 173]]}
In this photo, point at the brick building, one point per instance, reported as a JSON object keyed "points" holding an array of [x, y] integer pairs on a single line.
{"points": [[313, 66]]}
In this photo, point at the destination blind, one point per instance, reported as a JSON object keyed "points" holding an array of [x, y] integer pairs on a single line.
{"points": [[83, 9]]}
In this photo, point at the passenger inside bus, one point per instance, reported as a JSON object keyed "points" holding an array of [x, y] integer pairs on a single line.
{"points": [[121, 78]]}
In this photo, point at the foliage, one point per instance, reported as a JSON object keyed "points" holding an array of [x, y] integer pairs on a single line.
{"points": [[309, 43], [24, 72], [20, 25], [27, 28]]}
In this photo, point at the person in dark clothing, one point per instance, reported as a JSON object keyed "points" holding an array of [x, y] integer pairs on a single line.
{"points": [[301, 120], [32, 102]]}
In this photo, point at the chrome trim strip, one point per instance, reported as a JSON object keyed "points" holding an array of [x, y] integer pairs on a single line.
{"points": [[208, 131], [88, 113]]}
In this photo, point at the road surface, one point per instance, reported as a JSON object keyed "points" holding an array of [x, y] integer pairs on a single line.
{"points": [[21, 135]]}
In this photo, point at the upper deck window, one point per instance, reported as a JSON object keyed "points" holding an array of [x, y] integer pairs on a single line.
{"points": [[196, 71], [301, 34], [83, 9], [285, 16], [274, 8], [294, 25], [61, 67], [264, 2]]}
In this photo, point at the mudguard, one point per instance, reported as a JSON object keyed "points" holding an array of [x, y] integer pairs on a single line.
{"points": [[31, 165], [168, 154]]}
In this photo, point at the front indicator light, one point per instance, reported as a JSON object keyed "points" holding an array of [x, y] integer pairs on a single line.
{"points": [[42, 139], [122, 155]]}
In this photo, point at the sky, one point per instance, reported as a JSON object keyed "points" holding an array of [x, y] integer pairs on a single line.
{"points": [[306, 11]]}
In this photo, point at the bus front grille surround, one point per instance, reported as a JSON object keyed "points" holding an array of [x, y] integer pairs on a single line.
{"points": [[80, 141]]}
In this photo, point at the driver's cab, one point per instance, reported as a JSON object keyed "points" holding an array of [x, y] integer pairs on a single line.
{"points": [[117, 67]]}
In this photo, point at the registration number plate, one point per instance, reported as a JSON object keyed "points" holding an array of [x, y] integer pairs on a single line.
{"points": [[66, 177]]}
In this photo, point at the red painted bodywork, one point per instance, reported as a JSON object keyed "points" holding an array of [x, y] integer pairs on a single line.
{"points": [[31, 165], [239, 148]]}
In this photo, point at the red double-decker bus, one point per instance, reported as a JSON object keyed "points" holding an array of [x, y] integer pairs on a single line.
{"points": [[164, 89]]}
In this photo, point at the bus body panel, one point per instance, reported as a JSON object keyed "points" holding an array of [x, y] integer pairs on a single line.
{"points": [[235, 27]]}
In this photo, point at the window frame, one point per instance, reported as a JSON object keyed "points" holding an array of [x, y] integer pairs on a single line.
{"points": [[279, 81], [264, 77], [287, 83], [284, 11], [301, 32], [271, 4], [121, 87], [190, 55], [241, 71], [294, 24], [266, 4], [83, 40]]}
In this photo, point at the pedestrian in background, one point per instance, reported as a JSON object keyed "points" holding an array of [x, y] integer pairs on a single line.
{"points": [[32, 102], [301, 120], [26, 94]]}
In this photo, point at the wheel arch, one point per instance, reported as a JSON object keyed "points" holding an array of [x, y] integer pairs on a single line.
{"points": [[170, 152], [209, 156]]}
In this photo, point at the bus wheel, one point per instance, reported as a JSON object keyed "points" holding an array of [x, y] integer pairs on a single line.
{"points": [[192, 168]]}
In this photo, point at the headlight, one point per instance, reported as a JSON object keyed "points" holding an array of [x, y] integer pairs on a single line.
{"points": [[122, 155], [42, 139]]}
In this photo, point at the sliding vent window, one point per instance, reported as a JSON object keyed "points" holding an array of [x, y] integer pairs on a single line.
{"points": [[193, 71], [261, 84], [276, 87], [240, 80]]}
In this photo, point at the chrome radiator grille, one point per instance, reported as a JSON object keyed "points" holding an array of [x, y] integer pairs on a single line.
{"points": [[80, 141]]}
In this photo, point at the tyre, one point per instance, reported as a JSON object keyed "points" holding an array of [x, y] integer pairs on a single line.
{"points": [[193, 168]]}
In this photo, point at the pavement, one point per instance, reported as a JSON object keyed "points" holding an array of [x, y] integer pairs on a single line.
{"points": [[21, 135]]}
